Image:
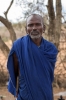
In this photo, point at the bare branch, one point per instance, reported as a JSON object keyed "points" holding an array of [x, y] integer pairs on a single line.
{"points": [[9, 27], [6, 12], [4, 48]]}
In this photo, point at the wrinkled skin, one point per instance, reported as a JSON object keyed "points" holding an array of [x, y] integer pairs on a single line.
{"points": [[35, 28]]}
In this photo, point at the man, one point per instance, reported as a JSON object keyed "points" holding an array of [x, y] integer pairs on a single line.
{"points": [[31, 63]]}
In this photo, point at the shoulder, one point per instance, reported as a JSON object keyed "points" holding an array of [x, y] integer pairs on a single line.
{"points": [[48, 43], [19, 41], [50, 46]]}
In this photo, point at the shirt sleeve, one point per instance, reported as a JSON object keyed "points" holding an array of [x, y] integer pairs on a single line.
{"points": [[10, 66]]}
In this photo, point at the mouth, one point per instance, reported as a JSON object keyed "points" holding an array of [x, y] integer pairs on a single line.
{"points": [[35, 33]]}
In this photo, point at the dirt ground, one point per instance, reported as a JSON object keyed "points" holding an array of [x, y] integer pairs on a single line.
{"points": [[7, 96]]}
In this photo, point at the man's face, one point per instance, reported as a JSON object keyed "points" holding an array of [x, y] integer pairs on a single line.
{"points": [[34, 26]]}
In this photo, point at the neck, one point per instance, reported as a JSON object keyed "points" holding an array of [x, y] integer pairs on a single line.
{"points": [[37, 41]]}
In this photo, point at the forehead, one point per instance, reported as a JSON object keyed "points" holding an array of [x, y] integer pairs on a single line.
{"points": [[34, 19]]}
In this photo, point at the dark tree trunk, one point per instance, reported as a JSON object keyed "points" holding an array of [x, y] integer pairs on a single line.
{"points": [[58, 21], [9, 27], [51, 13], [54, 23]]}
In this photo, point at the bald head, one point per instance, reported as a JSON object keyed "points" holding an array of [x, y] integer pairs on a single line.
{"points": [[39, 17]]}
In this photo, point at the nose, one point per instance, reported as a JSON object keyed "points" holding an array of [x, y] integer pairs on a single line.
{"points": [[34, 27]]}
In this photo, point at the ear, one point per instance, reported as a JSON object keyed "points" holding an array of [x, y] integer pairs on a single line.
{"points": [[44, 27], [26, 29]]}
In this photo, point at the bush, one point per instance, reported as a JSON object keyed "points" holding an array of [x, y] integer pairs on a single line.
{"points": [[3, 78]]}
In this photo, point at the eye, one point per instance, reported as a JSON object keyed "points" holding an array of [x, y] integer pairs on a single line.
{"points": [[38, 24], [30, 25]]}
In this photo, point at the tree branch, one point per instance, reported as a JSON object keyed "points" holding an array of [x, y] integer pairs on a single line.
{"points": [[9, 27], [4, 48], [6, 12]]}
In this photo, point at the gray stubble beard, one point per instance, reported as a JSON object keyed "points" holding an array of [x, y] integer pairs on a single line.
{"points": [[35, 36]]}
